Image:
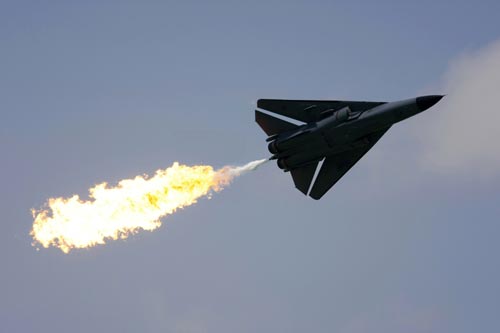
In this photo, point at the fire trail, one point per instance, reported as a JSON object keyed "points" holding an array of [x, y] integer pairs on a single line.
{"points": [[133, 204]]}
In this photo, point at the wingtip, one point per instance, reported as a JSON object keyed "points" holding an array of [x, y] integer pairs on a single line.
{"points": [[315, 198]]}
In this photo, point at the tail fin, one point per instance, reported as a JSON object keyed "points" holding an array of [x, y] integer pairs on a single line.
{"points": [[272, 125]]}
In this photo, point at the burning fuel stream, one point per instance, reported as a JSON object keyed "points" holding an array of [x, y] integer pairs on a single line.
{"points": [[133, 204]]}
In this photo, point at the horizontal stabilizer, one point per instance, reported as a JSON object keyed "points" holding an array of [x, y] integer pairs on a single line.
{"points": [[272, 125], [302, 177], [336, 166], [332, 170]]}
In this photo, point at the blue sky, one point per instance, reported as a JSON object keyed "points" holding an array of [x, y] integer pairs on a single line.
{"points": [[95, 91]]}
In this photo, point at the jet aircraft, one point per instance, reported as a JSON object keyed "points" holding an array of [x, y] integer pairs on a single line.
{"points": [[338, 133]]}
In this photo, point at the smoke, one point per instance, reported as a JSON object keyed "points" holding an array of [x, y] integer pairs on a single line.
{"points": [[463, 137], [130, 206], [240, 170]]}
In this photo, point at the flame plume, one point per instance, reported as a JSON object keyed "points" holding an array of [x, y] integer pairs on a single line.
{"points": [[132, 205]]}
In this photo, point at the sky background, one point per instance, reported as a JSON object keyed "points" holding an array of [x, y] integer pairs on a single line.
{"points": [[104, 90]]}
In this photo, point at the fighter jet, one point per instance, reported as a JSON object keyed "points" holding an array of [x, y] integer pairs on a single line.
{"points": [[338, 133]]}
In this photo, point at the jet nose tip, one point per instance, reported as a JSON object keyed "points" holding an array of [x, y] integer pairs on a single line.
{"points": [[426, 102]]}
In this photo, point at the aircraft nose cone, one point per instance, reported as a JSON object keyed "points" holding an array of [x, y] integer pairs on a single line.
{"points": [[426, 102]]}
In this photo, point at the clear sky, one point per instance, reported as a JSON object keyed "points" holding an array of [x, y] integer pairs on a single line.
{"points": [[94, 91]]}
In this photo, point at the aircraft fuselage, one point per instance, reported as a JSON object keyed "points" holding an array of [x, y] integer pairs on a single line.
{"points": [[341, 130]]}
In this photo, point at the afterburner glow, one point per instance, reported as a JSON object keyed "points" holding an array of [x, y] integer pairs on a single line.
{"points": [[132, 205]]}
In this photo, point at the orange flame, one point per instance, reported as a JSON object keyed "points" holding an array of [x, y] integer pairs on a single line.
{"points": [[132, 205]]}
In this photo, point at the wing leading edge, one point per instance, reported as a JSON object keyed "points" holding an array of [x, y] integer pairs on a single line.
{"points": [[310, 110]]}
